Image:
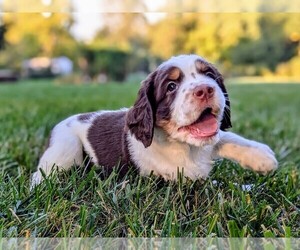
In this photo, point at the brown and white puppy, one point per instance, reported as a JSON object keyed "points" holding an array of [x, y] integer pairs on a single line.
{"points": [[177, 124]]}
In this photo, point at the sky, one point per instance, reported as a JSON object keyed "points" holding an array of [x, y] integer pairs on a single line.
{"points": [[87, 13], [88, 19]]}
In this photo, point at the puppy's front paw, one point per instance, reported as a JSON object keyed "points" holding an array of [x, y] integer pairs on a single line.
{"points": [[260, 158]]}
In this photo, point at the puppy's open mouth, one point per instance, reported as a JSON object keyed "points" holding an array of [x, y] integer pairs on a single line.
{"points": [[205, 126]]}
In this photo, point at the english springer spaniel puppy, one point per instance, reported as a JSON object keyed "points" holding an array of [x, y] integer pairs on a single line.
{"points": [[177, 124]]}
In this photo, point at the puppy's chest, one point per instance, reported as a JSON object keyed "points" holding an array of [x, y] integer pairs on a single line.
{"points": [[167, 159]]}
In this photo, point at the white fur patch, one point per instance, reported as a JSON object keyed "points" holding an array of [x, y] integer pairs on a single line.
{"points": [[166, 157], [185, 62], [65, 148]]}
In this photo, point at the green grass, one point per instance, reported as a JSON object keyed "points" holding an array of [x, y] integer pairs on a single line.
{"points": [[81, 203]]}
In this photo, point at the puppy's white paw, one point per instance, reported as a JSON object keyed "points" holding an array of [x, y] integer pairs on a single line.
{"points": [[263, 147], [259, 157]]}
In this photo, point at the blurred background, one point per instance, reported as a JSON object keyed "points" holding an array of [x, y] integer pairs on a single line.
{"points": [[79, 41]]}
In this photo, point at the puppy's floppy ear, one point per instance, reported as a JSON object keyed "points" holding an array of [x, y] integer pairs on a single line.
{"points": [[140, 118], [226, 121]]}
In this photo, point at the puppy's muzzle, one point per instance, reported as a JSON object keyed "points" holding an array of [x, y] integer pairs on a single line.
{"points": [[204, 92]]}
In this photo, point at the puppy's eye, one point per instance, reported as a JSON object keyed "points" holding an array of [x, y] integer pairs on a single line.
{"points": [[171, 86], [210, 74]]}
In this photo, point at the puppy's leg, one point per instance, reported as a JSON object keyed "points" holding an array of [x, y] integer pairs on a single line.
{"points": [[64, 151], [249, 154]]}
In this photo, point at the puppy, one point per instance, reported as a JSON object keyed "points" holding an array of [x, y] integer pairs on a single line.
{"points": [[177, 124]]}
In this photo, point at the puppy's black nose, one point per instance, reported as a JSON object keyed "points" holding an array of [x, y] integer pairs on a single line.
{"points": [[204, 92]]}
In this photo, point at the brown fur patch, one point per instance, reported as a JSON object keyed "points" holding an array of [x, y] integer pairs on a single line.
{"points": [[85, 117], [107, 138], [201, 66], [164, 99], [167, 125], [140, 118], [174, 73]]}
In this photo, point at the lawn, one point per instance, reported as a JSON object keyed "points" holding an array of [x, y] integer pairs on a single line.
{"points": [[81, 203]]}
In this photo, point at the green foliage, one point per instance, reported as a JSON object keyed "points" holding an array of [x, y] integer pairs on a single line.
{"points": [[81, 203], [243, 43], [272, 48], [2, 36], [290, 68], [167, 38], [112, 62]]}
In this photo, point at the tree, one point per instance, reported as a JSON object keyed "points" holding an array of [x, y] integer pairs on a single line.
{"points": [[2, 36], [123, 33], [37, 33], [214, 33], [272, 47], [167, 37]]}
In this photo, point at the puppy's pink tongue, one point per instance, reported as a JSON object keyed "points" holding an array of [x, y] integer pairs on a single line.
{"points": [[207, 126]]}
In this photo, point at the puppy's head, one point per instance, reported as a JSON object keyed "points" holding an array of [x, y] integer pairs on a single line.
{"points": [[185, 97]]}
